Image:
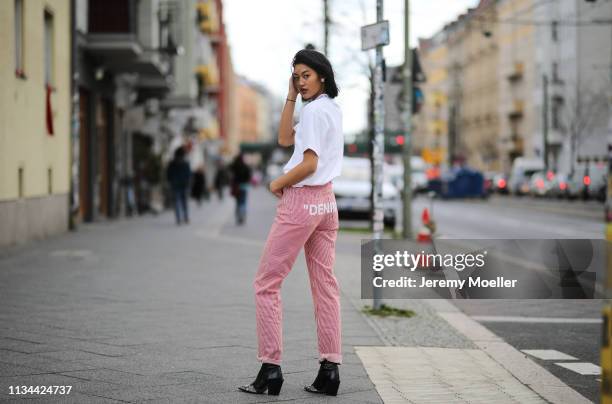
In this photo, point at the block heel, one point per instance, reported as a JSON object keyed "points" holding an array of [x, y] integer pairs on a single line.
{"points": [[274, 387], [269, 378], [327, 381], [331, 389]]}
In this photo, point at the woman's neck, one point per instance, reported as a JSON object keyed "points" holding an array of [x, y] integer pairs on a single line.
{"points": [[314, 97]]}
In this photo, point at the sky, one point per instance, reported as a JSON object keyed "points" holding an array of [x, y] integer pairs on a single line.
{"points": [[264, 35]]}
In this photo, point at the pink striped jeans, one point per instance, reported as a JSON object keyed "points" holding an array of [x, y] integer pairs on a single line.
{"points": [[305, 217]]}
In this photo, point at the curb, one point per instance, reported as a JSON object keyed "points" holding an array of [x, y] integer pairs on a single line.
{"points": [[538, 379]]}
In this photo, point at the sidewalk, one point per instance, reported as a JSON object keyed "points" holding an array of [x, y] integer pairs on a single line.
{"points": [[144, 311]]}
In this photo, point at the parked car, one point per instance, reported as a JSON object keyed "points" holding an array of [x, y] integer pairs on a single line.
{"points": [[500, 183], [352, 190], [522, 170], [418, 178], [496, 182], [462, 182], [588, 181], [597, 181], [559, 185], [540, 183]]}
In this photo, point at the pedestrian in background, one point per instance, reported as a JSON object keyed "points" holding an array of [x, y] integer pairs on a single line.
{"points": [[199, 184], [306, 216], [221, 179], [179, 175], [241, 179]]}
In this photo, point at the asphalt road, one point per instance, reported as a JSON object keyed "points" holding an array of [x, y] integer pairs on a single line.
{"points": [[568, 326]]}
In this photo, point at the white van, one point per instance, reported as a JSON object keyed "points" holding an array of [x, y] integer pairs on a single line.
{"points": [[522, 170], [418, 177]]}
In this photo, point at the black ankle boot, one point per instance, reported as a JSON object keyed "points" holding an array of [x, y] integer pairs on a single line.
{"points": [[270, 377], [327, 381]]}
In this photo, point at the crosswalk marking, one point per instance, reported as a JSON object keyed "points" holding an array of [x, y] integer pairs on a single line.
{"points": [[549, 354], [584, 368]]}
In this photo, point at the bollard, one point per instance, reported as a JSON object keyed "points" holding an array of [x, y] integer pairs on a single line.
{"points": [[606, 357]]}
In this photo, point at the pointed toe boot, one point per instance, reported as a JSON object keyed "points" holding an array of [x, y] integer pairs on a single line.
{"points": [[269, 378], [327, 380]]}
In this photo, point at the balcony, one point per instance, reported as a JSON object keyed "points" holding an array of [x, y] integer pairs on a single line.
{"points": [[122, 37], [210, 131], [112, 34], [208, 77], [123, 48], [208, 16], [517, 72], [151, 63], [438, 126], [513, 144], [152, 86], [517, 110]]}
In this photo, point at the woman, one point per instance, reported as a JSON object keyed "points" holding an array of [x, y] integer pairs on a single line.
{"points": [[241, 178], [306, 216]]}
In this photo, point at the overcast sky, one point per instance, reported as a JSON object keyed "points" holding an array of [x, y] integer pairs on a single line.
{"points": [[265, 34]]}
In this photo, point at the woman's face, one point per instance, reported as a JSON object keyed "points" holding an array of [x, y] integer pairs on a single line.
{"points": [[306, 81]]}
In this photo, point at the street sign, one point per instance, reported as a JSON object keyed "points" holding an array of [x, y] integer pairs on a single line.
{"points": [[374, 35]]}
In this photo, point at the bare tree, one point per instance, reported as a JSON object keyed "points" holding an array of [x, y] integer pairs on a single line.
{"points": [[583, 113]]}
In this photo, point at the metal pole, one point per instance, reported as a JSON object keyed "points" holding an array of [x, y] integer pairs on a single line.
{"points": [[74, 135], [407, 121], [325, 27], [545, 118], [378, 147]]}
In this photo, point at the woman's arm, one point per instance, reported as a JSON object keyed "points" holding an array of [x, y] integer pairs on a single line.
{"points": [[286, 134], [306, 168]]}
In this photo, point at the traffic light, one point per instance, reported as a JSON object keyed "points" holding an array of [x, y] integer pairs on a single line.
{"points": [[418, 77], [418, 98]]}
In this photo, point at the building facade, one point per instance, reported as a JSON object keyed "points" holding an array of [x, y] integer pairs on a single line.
{"points": [[254, 113], [574, 58], [34, 119], [480, 92], [432, 122], [517, 79]]}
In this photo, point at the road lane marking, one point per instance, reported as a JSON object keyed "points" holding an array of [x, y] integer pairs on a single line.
{"points": [[584, 368], [549, 354], [522, 319], [526, 370]]}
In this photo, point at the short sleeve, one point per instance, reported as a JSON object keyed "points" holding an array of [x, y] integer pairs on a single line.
{"points": [[312, 128]]}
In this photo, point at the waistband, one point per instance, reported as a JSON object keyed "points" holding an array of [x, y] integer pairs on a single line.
{"points": [[315, 187], [310, 189]]}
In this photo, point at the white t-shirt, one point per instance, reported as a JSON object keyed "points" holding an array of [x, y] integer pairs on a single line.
{"points": [[319, 129]]}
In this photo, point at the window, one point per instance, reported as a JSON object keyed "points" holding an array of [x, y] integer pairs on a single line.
{"points": [[20, 185], [555, 74], [554, 26], [19, 70], [557, 110], [50, 180], [49, 49]]}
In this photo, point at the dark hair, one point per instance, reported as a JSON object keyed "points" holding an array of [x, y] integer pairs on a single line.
{"points": [[319, 63], [179, 153]]}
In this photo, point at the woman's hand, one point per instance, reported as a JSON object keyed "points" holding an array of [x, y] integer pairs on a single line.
{"points": [[292, 93], [276, 189]]}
